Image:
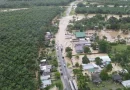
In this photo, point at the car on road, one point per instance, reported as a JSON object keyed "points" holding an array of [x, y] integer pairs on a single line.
{"points": [[61, 73]]}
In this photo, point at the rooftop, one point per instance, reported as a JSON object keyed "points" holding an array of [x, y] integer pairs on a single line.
{"points": [[80, 34], [89, 66], [96, 78], [44, 60], [105, 58], [117, 77], [126, 83]]}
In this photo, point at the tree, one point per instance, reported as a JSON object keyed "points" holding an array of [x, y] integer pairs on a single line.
{"points": [[127, 76], [77, 64], [68, 49], [86, 49], [109, 67], [98, 61], [104, 75], [53, 42], [85, 60], [69, 54], [77, 56], [94, 46], [57, 75], [104, 37], [104, 46]]}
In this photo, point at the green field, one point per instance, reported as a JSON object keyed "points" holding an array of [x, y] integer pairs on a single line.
{"points": [[105, 85], [119, 47]]}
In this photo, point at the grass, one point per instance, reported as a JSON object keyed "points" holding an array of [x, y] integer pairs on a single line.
{"points": [[105, 85], [72, 12], [119, 47]]}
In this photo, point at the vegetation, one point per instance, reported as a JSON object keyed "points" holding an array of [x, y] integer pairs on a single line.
{"points": [[109, 67], [86, 49], [88, 23], [69, 54], [82, 80], [85, 60], [77, 64], [21, 35], [111, 2], [57, 75], [68, 49], [103, 10], [30, 3], [104, 75], [104, 46], [98, 61]]}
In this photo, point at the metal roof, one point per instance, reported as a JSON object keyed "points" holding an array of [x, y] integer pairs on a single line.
{"points": [[105, 58], [126, 83], [89, 66], [80, 34]]}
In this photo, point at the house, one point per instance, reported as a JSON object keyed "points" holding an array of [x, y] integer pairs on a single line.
{"points": [[117, 78], [80, 44], [96, 78], [48, 36], [105, 60], [46, 83], [84, 42], [43, 62], [80, 34], [91, 67], [46, 68], [45, 77], [126, 83], [79, 48]]}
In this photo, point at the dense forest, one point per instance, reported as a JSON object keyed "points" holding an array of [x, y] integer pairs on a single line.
{"points": [[21, 34], [30, 3]]}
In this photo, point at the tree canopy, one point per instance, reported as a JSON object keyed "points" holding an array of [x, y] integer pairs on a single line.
{"points": [[85, 60], [21, 35]]}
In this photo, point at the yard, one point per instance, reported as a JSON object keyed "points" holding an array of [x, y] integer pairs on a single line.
{"points": [[119, 47], [105, 85]]}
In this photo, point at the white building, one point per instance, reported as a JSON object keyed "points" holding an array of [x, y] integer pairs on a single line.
{"points": [[91, 67], [126, 83], [45, 77]]}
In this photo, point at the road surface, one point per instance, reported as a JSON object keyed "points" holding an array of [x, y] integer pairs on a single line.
{"points": [[60, 40]]}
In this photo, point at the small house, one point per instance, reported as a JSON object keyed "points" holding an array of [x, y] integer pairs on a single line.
{"points": [[96, 78], [105, 60], [117, 78], [126, 83], [79, 48], [91, 67], [80, 34]]}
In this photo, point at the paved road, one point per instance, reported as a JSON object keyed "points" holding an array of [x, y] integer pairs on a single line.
{"points": [[65, 77], [60, 39]]}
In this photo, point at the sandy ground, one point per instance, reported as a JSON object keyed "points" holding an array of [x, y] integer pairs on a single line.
{"points": [[112, 35], [115, 68], [54, 88], [108, 15], [9, 10], [74, 60]]}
